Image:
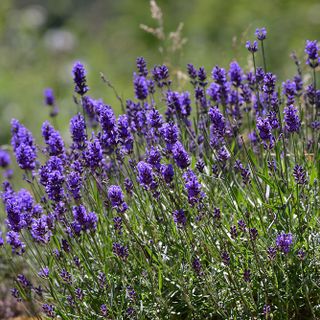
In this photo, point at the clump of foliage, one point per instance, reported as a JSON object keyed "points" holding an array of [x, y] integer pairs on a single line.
{"points": [[190, 205]]}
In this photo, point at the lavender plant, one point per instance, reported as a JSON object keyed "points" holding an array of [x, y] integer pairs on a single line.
{"points": [[209, 210]]}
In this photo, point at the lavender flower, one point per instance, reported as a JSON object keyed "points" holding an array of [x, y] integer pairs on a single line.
{"points": [[53, 140], [292, 119], [78, 131], [4, 158], [66, 276], [161, 75], [192, 72], [104, 310], [179, 218], [48, 309], [23, 146], [142, 66], [121, 251], [140, 87], [83, 220], [235, 74], [145, 175], [180, 155], [300, 175], [44, 272], [117, 199], [128, 184], [49, 101], [284, 242], [312, 50], [170, 134], [264, 128], [40, 230], [261, 34], [74, 184], [217, 120], [252, 47], [193, 187], [93, 154], [269, 83], [202, 76], [272, 252], [79, 78], [17, 246], [196, 266], [167, 172]]}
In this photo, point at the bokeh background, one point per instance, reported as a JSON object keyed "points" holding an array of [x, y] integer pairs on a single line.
{"points": [[40, 40]]}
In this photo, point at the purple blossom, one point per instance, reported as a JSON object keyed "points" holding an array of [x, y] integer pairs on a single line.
{"points": [[78, 131], [192, 72], [312, 50], [104, 310], [40, 230], [79, 293], [235, 74], [23, 281], [252, 46], [74, 184], [145, 175], [142, 66], [180, 155], [193, 187], [120, 251], [53, 140], [269, 83], [128, 184], [264, 128], [140, 87], [117, 198], [284, 242], [179, 218], [223, 154], [16, 244], [48, 309], [300, 175], [170, 134], [202, 76], [4, 158], [196, 266], [44, 272], [291, 118], [117, 224], [161, 76], [261, 34], [66, 276], [153, 157], [83, 220], [23, 146], [79, 78], [125, 137], [49, 100], [217, 120], [167, 172], [93, 154], [154, 118]]}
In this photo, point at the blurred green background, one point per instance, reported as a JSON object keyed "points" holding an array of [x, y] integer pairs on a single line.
{"points": [[40, 40]]}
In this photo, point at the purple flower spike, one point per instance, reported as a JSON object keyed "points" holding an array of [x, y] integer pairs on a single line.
{"points": [[261, 34], [284, 242], [117, 199], [252, 47], [79, 78]]}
